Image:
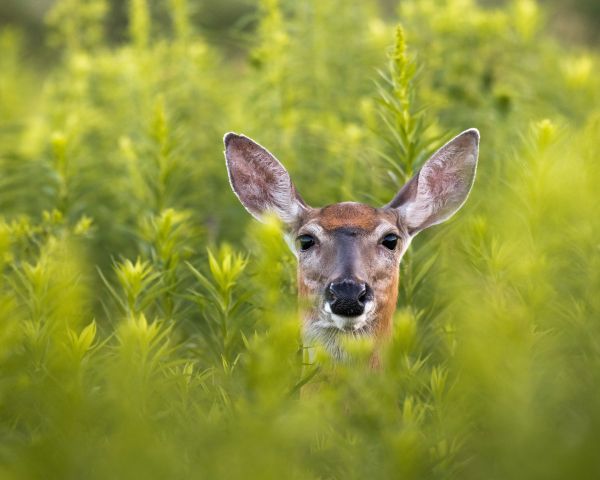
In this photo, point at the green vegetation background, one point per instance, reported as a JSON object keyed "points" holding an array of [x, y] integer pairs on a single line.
{"points": [[148, 327]]}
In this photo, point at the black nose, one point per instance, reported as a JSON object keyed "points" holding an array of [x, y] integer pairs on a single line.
{"points": [[347, 297]]}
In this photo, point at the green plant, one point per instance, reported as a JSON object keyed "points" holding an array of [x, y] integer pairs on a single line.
{"points": [[148, 330]]}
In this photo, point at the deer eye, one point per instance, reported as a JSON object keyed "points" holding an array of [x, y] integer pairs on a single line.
{"points": [[305, 242], [390, 241]]}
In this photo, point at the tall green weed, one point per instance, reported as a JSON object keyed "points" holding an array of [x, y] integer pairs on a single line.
{"points": [[148, 327]]}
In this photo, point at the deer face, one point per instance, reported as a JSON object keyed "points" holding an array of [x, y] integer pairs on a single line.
{"points": [[349, 253], [348, 257]]}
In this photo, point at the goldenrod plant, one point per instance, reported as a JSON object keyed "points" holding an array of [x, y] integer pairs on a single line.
{"points": [[149, 328]]}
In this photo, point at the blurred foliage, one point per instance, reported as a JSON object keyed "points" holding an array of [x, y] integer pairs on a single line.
{"points": [[225, 23], [148, 327]]}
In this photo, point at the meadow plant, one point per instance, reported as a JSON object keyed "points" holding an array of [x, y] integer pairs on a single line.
{"points": [[148, 329]]}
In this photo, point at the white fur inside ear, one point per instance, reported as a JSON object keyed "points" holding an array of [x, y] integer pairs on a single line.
{"points": [[444, 183], [284, 204], [259, 180]]}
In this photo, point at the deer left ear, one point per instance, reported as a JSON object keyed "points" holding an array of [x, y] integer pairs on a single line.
{"points": [[260, 181], [441, 186]]}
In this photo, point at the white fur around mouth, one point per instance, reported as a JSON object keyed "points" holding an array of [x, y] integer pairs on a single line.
{"points": [[328, 319]]}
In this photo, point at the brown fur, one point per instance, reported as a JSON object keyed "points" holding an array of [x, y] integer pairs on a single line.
{"points": [[349, 238], [348, 215], [372, 263]]}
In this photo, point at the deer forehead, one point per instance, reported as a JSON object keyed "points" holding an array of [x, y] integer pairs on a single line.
{"points": [[351, 216]]}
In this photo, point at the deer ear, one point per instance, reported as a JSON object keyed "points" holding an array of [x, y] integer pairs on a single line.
{"points": [[441, 186], [260, 181]]}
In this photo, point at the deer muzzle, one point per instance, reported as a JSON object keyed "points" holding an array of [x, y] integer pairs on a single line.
{"points": [[347, 297]]}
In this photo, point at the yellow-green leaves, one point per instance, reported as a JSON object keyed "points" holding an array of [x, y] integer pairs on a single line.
{"points": [[135, 279], [80, 344], [224, 305], [226, 269], [139, 25], [77, 24], [149, 328], [526, 16]]}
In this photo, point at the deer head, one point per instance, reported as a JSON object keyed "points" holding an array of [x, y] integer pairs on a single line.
{"points": [[349, 253]]}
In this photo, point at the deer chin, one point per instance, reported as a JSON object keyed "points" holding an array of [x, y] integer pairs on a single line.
{"points": [[339, 324], [349, 324], [328, 329]]}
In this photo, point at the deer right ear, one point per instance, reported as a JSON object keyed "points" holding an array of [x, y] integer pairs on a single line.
{"points": [[441, 186], [260, 181]]}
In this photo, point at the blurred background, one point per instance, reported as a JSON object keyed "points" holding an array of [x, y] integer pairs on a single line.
{"points": [[571, 20], [148, 326]]}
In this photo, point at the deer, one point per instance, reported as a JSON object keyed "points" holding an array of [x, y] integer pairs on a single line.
{"points": [[348, 254]]}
